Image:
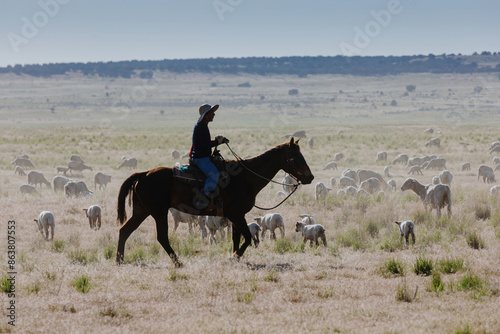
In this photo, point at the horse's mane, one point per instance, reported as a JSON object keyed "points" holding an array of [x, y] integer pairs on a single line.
{"points": [[269, 152]]}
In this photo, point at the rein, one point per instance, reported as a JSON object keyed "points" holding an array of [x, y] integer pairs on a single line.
{"points": [[289, 161]]}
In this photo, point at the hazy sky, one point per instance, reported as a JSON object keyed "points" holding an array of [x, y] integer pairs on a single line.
{"points": [[50, 31]]}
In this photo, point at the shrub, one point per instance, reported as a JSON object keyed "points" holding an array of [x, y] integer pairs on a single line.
{"points": [[422, 266], [82, 284], [436, 283], [392, 267], [474, 240], [450, 266]]}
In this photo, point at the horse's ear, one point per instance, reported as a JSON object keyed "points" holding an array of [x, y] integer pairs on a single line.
{"points": [[291, 141], [297, 141]]}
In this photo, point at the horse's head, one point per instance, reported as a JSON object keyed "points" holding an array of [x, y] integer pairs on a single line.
{"points": [[295, 164]]}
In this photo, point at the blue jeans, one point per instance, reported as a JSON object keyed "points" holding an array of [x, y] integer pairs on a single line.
{"points": [[209, 169]]}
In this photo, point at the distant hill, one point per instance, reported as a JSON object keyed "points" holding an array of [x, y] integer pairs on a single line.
{"points": [[301, 66]]}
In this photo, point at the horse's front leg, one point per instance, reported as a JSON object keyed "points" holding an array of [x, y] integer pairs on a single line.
{"points": [[236, 241], [241, 228]]}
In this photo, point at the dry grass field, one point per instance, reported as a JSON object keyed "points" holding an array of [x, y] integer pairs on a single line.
{"points": [[365, 281]]}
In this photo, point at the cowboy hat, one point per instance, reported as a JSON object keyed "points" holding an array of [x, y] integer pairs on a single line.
{"points": [[204, 109]]}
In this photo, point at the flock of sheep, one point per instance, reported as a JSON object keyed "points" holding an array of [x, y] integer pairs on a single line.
{"points": [[70, 187]]}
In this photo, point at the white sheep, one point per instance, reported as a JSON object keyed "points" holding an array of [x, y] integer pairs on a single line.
{"points": [[77, 158], [23, 162], [307, 219], [61, 169], [45, 220], [495, 149], [311, 233], [381, 156], [445, 177], [215, 224], [436, 163], [310, 143], [495, 190], [386, 171], [351, 191], [365, 174], [346, 181], [496, 160], [330, 165], [333, 181], [27, 189], [182, 217], [130, 163], [321, 191], [176, 154], [19, 170], [341, 192], [465, 166], [429, 130], [436, 180], [487, 173], [338, 156], [35, 178], [406, 229], [433, 196], [495, 143], [401, 159], [351, 173], [271, 222], [58, 182], [254, 231], [497, 167], [370, 185], [77, 166], [392, 184], [433, 142], [101, 179], [76, 189], [93, 213], [289, 183], [415, 170]]}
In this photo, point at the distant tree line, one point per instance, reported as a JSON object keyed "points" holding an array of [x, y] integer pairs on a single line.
{"points": [[301, 66]]}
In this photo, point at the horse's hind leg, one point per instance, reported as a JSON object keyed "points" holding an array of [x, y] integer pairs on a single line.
{"points": [[162, 236], [125, 231]]}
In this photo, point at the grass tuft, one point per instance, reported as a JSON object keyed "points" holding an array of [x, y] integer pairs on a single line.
{"points": [[422, 266], [82, 284], [392, 267], [450, 266], [474, 240]]}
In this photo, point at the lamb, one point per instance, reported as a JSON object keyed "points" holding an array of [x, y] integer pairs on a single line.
{"points": [[370, 185], [364, 174], [381, 156], [386, 171], [130, 163], [341, 192], [182, 217], [35, 178], [271, 221], [44, 221], [351, 191], [401, 159], [436, 163], [465, 166], [310, 143], [392, 184], [495, 149], [101, 179], [495, 143], [445, 177], [495, 190], [76, 189], [429, 130], [487, 173], [254, 231], [58, 182], [496, 160], [19, 170], [333, 181], [311, 233], [433, 196], [289, 183], [330, 165], [433, 142], [321, 191], [416, 161], [23, 162], [338, 156], [215, 224], [27, 189], [61, 169], [346, 181], [93, 213], [406, 229], [77, 166]]}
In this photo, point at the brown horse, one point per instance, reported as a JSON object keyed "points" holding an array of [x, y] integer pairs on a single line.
{"points": [[154, 191]]}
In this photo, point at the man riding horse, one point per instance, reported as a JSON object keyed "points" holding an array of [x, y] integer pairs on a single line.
{"points": [[201, 152]]}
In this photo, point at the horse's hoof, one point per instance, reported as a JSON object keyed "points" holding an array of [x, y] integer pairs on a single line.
{"points": [[178, 264]]}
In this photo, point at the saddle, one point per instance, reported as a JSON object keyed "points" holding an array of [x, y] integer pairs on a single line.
{"points": [[192, 174]]}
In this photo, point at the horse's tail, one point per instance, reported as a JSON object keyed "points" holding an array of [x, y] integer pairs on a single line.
{"points": [[126, 190]]}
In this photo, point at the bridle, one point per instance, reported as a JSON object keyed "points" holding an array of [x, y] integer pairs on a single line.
{"points": [[289, 161]]}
